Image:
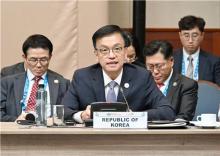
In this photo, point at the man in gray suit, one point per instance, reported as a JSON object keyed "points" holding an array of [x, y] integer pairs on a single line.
{"points": [[106, 80], [16, 89], [180, 90]]}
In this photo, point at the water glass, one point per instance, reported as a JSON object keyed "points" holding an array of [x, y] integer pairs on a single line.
{"points": [[58, 115]]}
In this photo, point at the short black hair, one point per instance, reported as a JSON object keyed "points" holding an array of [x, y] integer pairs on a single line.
{"points": [[107, 30], [189, 22], [37, 41], [162, 46], [129, 38]]}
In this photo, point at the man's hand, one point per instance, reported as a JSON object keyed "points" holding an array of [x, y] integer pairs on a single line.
{"points": [[21, 116], [50, 121], [86, 114]]}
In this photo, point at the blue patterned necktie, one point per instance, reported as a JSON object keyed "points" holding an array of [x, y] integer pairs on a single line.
{"points": [[111, 96]]}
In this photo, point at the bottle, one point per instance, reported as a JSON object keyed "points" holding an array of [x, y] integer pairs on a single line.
{"points": [[41, 103], [219, 113]]}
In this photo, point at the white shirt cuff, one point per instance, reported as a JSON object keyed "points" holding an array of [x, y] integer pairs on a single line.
{"points": [[77, 117]]}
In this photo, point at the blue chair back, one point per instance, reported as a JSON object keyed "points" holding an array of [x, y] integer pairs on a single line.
{"points": [[208, 98]]}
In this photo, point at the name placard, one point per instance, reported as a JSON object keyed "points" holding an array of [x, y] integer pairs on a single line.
{"points": [[120, 120]]}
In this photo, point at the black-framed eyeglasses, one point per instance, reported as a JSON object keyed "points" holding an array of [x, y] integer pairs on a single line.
{"points": [[158, 66], [106, 51], [34, 61]]}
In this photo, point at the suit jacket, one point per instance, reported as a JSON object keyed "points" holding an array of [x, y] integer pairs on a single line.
{"points": [[209, 66], [142, 94], [182, 93], [14, 69], [12, 88]]}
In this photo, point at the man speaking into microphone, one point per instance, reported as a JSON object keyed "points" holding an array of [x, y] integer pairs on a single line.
{"points": [[103, 81]]}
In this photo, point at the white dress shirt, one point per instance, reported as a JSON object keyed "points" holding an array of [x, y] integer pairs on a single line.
{"points": [[107, 80], [195, 57], [30, 77]]}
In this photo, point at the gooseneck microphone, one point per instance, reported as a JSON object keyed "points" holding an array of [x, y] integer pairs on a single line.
{"points": [[30, 117], [122, 92]]}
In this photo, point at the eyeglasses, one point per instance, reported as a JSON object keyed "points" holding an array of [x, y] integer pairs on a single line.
{"points": [[193, 36], [106, 51], [158, 66], [131, 59], [33, 61]]}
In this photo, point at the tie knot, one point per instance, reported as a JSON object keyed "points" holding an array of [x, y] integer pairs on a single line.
{"points": [[190, 59], [112, 84], [37, 78], [159, 85]]}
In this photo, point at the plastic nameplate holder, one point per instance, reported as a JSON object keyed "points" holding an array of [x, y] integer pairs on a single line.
{"points": [[120, 120]]}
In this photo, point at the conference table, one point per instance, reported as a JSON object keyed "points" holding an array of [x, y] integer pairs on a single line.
{"points": [[80, 140]]}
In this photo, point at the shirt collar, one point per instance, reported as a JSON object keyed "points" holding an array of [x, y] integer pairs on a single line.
{"points": [[30, 75], [107, 79], [168, 79], [194, 56]]}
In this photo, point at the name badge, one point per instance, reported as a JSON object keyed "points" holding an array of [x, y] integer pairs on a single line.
{"points": [[120, 120]]}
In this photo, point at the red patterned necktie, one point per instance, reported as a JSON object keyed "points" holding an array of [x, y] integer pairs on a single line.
{"points": [[32, 99], [160, 85]]}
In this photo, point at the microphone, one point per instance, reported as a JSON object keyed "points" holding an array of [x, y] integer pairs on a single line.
{"points": [[122, 92], [30, 116]]}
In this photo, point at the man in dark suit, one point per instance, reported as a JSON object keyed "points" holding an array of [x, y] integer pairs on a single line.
{"points": [[132, 47], [13, 69], [16, 89], [191, 60], [105, 80], [180, 90]]}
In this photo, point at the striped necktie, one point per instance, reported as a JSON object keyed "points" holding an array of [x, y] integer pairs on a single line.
{"points": [[189, 71], [32, 99], [160, 85]]}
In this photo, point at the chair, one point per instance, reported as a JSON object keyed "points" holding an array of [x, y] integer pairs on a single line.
{"points": [[208, 98]]}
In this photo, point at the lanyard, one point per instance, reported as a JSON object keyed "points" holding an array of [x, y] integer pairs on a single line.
{"points": [[165, 90], [195, 75], [23, 106]]}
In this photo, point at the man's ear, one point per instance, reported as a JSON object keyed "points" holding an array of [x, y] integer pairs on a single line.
{"points": [[23, 56], [203, 34], [96, 54], [50, 56], [172, 61], [179, 34]]}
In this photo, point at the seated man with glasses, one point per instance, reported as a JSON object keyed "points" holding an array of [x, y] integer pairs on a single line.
{"points": [[18, 91], [112, 80], [180, 90], [191, 60], [132, 48]]}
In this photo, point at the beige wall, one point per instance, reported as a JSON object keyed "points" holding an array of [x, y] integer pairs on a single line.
{"points": [[92, 15], [55, 19], [70, 25], [166, 13]]}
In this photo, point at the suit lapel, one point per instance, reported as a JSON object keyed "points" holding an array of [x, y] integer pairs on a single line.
{"points": [[19, 83], [53, 87], [98, 83], [178, 61], [202, 65], [125, 84], [173, 86]]}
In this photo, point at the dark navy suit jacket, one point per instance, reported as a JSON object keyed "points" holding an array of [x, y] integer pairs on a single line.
{"points": [[142, 94], [209, 66]]}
